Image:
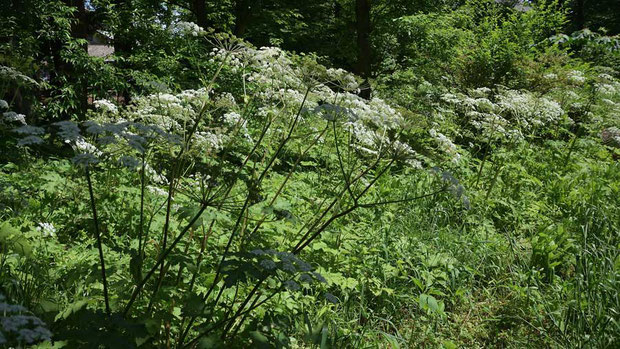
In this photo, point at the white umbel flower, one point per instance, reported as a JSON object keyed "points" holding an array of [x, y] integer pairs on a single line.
{"points": [[47, 229], [106, 105]]}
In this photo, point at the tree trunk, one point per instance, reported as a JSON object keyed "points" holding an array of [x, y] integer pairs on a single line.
{"points": [[243, 14], [80, 31], [199, 9], [66, 69], [580, 14], [123, 45], [362, 16]]}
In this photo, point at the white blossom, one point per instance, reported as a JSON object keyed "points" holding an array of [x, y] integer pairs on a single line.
{"points": [[186, 28], [14, 117], [576, 77], [47, 229], [106, 105]]}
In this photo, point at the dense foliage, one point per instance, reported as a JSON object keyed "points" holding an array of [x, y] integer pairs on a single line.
{"points": [[218, 177]]}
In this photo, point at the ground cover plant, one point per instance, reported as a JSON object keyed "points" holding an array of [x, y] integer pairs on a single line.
{"points": [[336, 174]]}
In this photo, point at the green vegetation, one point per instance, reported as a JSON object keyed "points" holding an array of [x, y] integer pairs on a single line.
{"points": [[197, 174]]}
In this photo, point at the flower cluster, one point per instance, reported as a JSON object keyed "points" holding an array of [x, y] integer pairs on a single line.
{"points": [[446, 145], [186, 29], [506, 114], [105, 106], [576, 77], [47, 229], [11, 117], [8, 118], [19, 326], [11, 74], [281, 84]]}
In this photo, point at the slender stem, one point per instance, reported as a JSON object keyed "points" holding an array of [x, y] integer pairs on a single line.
{"points": [[98, 236], [160, 260], [253, 305], [225, 321], [176, 171], [344, 175], [302, 244], [203, 246], [334, 202], [259, 180], [484, 159], [373, 204], [492, 185], [283, 184], [246, 204], [571, 148], [142, 186], [226, 193], [243, 304]]}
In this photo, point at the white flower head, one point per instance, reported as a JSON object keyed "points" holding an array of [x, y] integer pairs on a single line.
{"points": [[550, 76], [12, 116], [157, 190], [576, 77], [47, 229], [106, 106], [186, 28]]}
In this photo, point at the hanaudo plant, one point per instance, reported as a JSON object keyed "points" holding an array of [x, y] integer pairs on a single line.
{"points": [[195, 174]]}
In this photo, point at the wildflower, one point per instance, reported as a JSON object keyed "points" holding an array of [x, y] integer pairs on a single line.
{"points": [[106, 106], [209, 141], [576, 77], [233, 118], [550, 76], [186, 28], [446, 144], [10, 74], [83, 146], [12, 116], [47, 229], [157, 191], [4, 104], [481, 92], [611, 137], [226, 100]]}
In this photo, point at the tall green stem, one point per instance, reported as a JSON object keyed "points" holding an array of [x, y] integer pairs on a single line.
{"points": [[99, 245]]}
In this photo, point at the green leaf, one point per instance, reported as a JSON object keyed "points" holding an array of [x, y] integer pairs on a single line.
{"points": [[12, 239], [71, 309], [260, 340]]}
